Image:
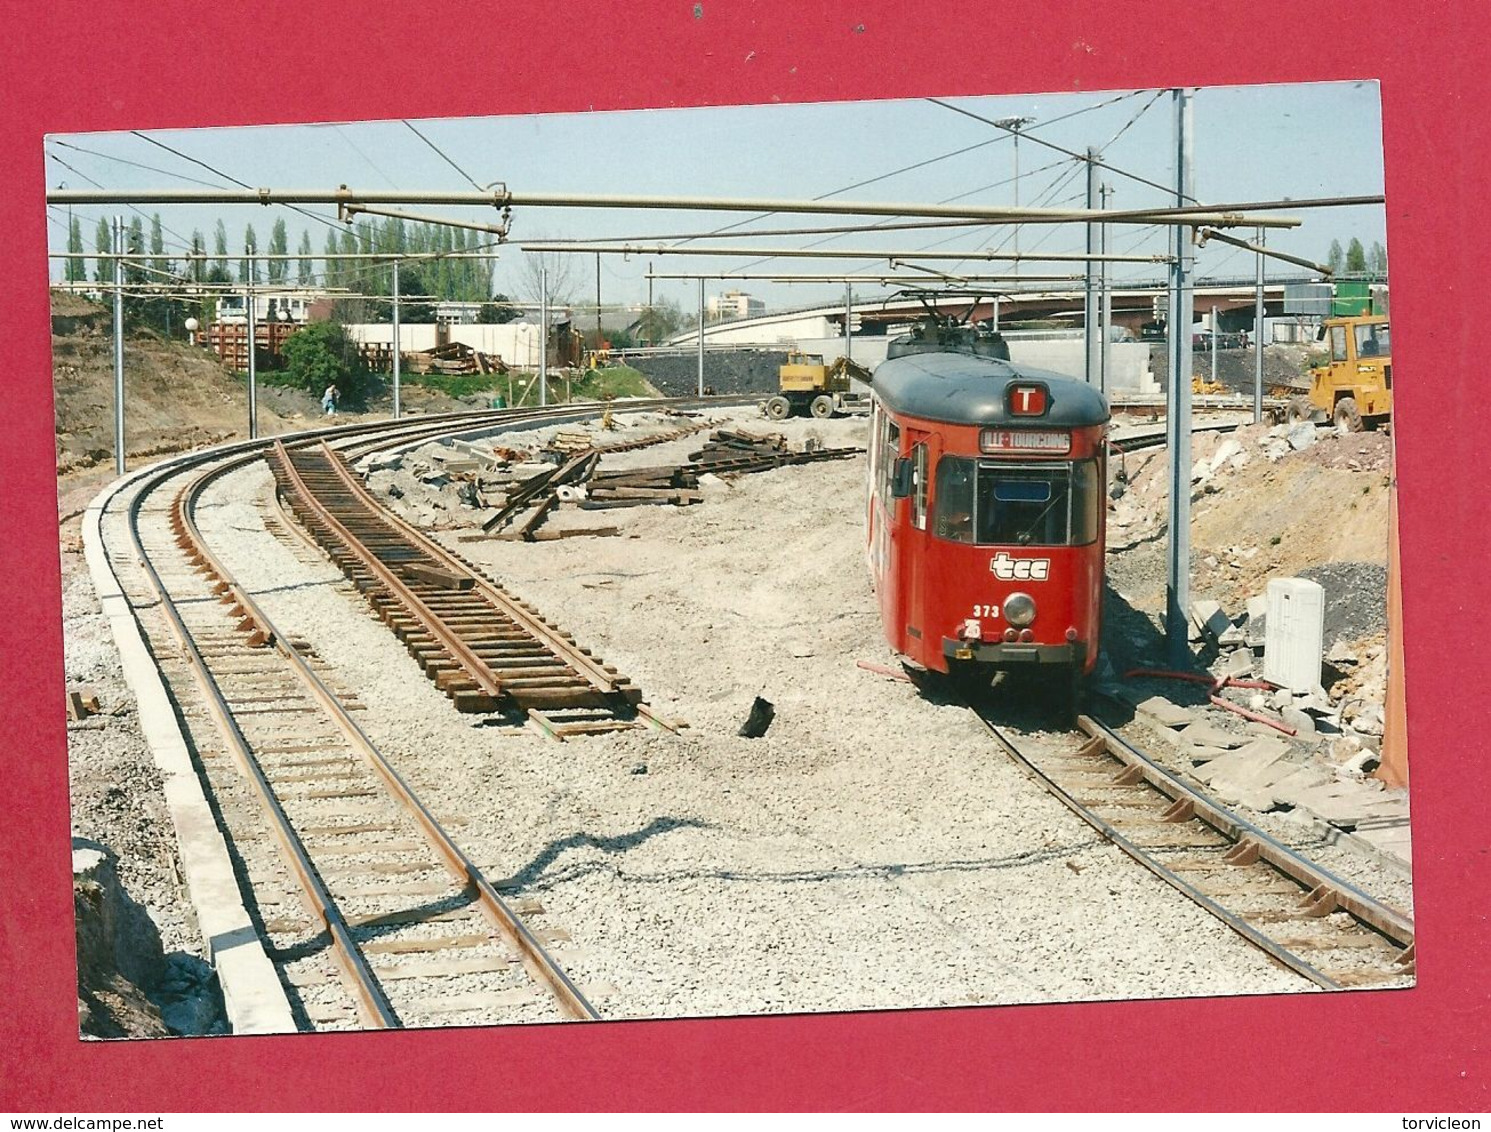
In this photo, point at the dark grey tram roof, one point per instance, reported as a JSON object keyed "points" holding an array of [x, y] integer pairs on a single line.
{"points": [[969, 389]]}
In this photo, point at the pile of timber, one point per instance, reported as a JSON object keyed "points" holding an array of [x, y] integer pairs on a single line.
{"points": [[575, 480], [734, 451], [635, 487], [454, 357]]}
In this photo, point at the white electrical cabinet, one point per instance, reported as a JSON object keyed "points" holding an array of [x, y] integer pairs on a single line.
{"points": [[1293, 633]]}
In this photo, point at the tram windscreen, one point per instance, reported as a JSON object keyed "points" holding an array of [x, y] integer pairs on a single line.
{"points": [[999, 504]]}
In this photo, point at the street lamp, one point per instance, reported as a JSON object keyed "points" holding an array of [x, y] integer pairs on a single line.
{"points": [[1014, 126]]}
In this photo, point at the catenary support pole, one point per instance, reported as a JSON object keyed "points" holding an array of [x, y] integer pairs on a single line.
{"points": [[1105, 293], [118, 349], [250, 266], [1213, 345], [701, 337], [1258, 338], [1178, 401], [848, 322], [543, 336], [398, 407], [1090, 313]]}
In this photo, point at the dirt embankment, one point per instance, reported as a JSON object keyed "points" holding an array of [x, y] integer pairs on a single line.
{"points": [[1260, 509], [176, 396]]}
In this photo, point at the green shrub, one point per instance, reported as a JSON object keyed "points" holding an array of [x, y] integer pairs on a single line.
{"points": [[320, 354]]}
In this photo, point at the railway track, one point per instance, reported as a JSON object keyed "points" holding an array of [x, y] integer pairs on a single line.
{"points": [[483, 647], [369, 910], [1304, 917]]}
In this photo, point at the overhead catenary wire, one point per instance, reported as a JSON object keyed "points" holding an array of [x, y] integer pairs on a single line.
{"points": [[444, 156]]}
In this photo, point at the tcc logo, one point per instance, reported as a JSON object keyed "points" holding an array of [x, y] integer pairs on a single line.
{"points": [[1008, 569]]}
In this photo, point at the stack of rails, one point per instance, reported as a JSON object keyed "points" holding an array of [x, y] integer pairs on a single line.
{"points": [[733, 451]]}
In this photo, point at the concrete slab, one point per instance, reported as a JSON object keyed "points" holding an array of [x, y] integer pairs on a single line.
{"points": [[1353, 804], [252, 994], [1207, 616], [1286, 791], [1165, 712], [1301, 721], [1239, 662], [1257, 765], [1391, 840], [1210, 735]]}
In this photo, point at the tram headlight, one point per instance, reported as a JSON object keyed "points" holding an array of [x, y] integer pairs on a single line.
{"points": [[1019, 609]]}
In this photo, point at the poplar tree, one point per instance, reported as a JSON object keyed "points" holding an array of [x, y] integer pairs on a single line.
{"points": [[76, 270], [158, 258], [103, 243], [1356, 256], [248, 268], [1377, 260], [196, 268], [279, 244], [305, 270], [333, 276], [1336, 258], [135, 269], [219, 272]]}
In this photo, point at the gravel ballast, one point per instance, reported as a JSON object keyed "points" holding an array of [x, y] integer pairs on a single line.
{"points": [[872, 850]]}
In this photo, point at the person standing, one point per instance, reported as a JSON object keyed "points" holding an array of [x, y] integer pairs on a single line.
{"points": [[329, 400]]}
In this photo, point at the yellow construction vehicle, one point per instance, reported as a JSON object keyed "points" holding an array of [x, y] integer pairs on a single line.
{"points": [[1354, 388], [809, 386]]}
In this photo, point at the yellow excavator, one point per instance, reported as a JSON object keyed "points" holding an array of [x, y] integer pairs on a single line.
{"points": [[807, 386], [1354, 388]]}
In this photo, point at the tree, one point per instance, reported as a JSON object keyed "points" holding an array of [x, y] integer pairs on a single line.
{"points": [[103, 243], [333, 275], [1377, 260], [134, 271], [1356, 256], [248, 266], [660, 320], [219, 273], [159, 262], [196, 267], [76, 270], [499, 310], [305, 269], [1336, 258], [279, 244], [560, 271], [320, 354]]}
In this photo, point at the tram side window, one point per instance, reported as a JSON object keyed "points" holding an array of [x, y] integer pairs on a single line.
{"points": [[954, 499], [919, 487], [890, 448], [1088, 501]]}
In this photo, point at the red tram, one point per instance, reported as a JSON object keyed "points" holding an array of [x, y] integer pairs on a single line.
{"points": [[987, 507]]}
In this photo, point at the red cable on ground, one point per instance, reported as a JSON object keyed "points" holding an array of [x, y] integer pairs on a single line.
{"points": [[1253, 715]]}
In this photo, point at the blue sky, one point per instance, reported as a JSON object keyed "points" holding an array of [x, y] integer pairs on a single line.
{"points": [[1251, 143]]}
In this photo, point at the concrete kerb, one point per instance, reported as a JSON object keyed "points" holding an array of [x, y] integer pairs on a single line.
{"points": [[252, 993]]}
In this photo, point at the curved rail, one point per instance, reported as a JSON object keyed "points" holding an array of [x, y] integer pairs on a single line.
{"points": [[372, 1005], [535, 958], [1201, 838]]}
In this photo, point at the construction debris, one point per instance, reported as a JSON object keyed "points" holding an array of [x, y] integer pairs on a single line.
{"points": [[454, 358]]}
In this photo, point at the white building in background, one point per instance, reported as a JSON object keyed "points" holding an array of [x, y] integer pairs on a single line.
{"points": [[733, 304], [519, 344], [282, 306]]}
